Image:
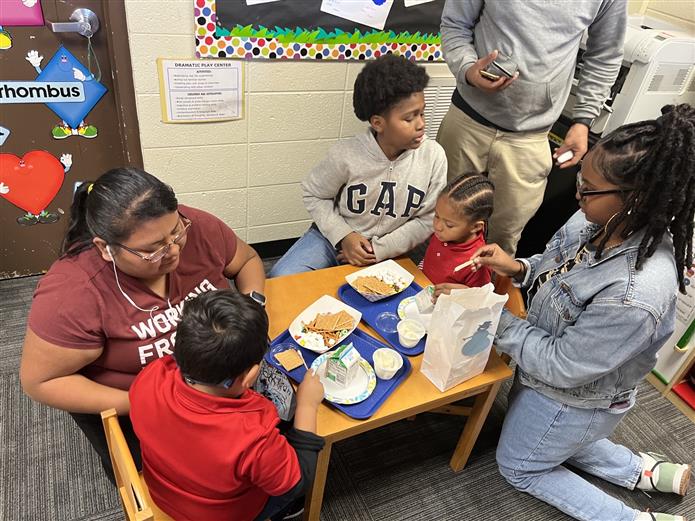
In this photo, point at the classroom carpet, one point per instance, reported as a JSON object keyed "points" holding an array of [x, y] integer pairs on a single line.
{"points": [[396, 473]]}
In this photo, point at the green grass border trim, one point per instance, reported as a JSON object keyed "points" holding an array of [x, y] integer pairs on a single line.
{"points": [[337, 36]]}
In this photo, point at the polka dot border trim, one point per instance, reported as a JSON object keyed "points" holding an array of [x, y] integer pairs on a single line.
{"points": [[208, 45]]}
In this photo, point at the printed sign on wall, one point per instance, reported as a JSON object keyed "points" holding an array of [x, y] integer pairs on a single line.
{"points": [[195, 91]]}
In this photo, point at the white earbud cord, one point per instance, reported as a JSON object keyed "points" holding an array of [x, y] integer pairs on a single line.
{"points": [[130, 300]]}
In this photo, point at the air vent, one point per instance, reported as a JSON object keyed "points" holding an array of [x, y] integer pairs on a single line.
{"points": [[655, 84], [437, 101], [670, 77], [681, 75]]}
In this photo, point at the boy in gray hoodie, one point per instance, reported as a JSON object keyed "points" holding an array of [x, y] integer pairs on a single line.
{"points": [[372, 198]]}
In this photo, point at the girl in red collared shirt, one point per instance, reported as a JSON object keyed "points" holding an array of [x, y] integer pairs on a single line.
{"points": [[460, 222]]}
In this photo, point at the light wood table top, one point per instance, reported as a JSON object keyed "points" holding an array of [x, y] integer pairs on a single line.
{"points": [[290, 295]]}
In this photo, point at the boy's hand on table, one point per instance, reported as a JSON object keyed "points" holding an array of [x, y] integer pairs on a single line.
{"points": [[445, 289], [309, 397], [310, 391], [356, 250]]}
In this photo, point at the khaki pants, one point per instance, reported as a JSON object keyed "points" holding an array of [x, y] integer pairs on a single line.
{"points": [[518, 163]]}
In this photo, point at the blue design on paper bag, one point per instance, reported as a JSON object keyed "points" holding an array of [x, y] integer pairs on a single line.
{"points": [[479, 342]]}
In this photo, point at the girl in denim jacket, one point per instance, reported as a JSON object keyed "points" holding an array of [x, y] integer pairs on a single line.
{"points": [[601, 304]]}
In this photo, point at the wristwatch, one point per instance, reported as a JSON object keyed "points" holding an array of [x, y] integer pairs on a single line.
{"points": [[583, 121], [258, 297]]}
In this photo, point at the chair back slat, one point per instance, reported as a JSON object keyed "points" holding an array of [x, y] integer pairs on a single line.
{"points": [[130, 488]]}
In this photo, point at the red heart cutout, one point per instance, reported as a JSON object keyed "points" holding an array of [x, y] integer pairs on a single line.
{"points": [[33, 181]]}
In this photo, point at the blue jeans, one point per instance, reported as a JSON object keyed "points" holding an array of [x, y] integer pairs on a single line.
{"points": [[311, 252], [540, 435]]}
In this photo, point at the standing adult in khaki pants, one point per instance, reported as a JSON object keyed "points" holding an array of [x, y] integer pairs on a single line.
{"points": [[501, 126]]}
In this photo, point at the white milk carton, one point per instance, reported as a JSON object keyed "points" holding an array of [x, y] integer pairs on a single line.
{"points": [[342, 365], [423, 299]]}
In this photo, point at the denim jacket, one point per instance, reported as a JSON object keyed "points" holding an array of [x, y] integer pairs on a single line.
{"points": [[592, 333]]}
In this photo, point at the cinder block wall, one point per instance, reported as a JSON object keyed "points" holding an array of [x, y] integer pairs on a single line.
{"points": [[679, 13], [246, 172]]}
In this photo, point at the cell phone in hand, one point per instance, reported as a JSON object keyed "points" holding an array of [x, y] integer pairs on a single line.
{"points": [[489, 75], [502, 66]]}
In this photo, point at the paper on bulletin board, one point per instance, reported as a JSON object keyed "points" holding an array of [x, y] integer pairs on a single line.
{"points": [[199, 91], [411, 3], [368, 12]]}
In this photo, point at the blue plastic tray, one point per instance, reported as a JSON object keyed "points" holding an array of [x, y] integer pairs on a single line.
{"points": [[365, 345], [370, 310]]}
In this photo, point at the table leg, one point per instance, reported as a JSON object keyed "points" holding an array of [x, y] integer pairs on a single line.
{"points": [[314, 498], [474, 423]]}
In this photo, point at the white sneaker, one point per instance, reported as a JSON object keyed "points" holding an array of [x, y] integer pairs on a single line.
{"points": [[663, 476]]}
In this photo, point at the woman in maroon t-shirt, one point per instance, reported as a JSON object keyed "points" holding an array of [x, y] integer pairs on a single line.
{"points": [[111, 303]]}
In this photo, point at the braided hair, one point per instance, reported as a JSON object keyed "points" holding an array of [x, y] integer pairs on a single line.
{"points": [[655, 161], [472, 195]]}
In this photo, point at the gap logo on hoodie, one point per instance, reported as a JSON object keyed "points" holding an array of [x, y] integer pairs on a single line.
{"points": [[356, 196]]}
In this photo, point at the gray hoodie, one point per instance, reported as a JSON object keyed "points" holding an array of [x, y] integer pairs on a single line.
{"points": [[356, 188], [542, 37]]}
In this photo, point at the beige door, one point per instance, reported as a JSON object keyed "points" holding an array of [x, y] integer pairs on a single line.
{"points": [[67, 114]]}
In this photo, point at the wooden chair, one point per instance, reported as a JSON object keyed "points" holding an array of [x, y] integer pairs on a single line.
{"points": [[515, 304], [136, 500]]}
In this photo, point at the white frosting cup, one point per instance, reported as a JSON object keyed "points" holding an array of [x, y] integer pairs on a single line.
{"points": [[410, 332], [387, 362]]}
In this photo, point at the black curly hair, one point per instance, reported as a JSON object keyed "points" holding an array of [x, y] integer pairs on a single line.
{"points": [[473, 196], [384, 82], [655, 161]]}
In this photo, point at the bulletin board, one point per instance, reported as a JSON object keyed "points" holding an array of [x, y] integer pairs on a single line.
{"points": [[318, 29]]}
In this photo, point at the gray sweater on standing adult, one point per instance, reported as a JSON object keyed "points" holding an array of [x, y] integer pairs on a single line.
{"points": [[542, 37], [356, 188]]}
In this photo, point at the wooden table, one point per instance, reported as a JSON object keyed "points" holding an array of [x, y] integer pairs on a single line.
{"points": [[289, 295]]}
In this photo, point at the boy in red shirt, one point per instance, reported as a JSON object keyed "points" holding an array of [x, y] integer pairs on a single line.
{"points": [[210, 445], [460, 220]]}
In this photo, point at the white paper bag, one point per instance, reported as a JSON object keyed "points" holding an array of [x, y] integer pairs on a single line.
{"points": [[460, 335]]}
